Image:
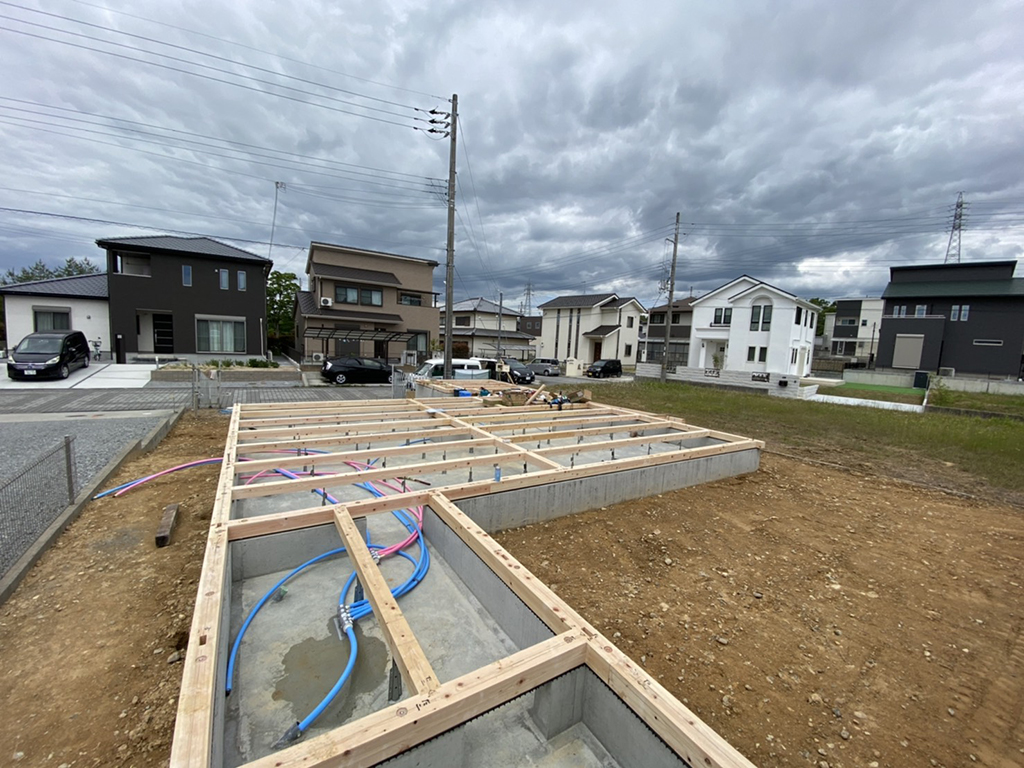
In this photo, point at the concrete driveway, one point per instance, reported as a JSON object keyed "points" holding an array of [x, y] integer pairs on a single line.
{"points": [[96, 376]]}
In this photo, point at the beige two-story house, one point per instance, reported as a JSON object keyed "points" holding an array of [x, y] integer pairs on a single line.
{"points": [[367, 304]]}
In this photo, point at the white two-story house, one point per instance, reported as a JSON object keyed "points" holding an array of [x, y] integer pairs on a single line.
{"points": [[750, 326], [590, 327]]}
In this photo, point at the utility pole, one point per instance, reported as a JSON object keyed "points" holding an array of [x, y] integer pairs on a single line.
{"points": [[501, 311], [953, 254], [671, 298], [449, 280], [278, 187]]}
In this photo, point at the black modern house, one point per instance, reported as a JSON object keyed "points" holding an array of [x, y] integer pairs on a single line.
{"points": [[176, 296], [954, 319]]}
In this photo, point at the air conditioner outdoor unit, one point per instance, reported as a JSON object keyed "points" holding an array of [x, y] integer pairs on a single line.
{"points": [[318, 356], [947, 371], [326, 302]]}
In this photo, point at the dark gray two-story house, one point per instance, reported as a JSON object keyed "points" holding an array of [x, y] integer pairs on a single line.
{"points": [[954, 319], [185, 296]]}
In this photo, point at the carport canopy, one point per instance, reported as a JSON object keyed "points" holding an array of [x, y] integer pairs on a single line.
{"points": [[358, 334]]}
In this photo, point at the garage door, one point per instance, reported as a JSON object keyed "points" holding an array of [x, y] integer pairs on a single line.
{"points": [[907, 352]]}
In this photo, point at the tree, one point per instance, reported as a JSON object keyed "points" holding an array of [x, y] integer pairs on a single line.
{"points": [[40, 271], [281, 290], [826, 307]]}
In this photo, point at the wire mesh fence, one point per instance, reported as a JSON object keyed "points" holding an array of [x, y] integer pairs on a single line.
{"points": [[31, 500]]}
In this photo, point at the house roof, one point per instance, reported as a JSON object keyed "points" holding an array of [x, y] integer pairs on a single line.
{"points": [[686, 303], [481, 305], [757, 285], [198, 246], [623, 302], [309, 308], [946, 289], [580, 300], [490, 333], [356, 275], [362, 252], [79, 286], [602, 331]]}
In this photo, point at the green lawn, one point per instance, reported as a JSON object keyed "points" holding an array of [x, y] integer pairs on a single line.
{"points": [[977, 401], [918, 446]]}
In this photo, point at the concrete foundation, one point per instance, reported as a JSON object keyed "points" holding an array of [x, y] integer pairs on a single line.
{"points": [[464, 616]]}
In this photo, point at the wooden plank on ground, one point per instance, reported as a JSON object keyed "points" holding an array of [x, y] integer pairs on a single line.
{"points": [[417, 673], [384, 734], [166, 527]]}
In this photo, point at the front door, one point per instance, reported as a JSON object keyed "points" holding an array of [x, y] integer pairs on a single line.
{"points": [[380, 350], [163, 334], [597, 350]]}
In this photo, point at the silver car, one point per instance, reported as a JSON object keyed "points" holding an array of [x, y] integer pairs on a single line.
{"points": [[545, 366]]}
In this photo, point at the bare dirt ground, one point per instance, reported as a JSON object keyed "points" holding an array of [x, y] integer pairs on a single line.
{"points": [[811, 615], [88, 641]]}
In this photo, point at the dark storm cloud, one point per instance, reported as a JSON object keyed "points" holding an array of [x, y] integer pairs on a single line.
{"points": [[810, 144]]}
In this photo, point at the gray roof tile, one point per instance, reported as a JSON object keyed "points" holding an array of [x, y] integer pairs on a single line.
{"points": [[336, 271], [201, 246], [579, 300], [79, 286]]}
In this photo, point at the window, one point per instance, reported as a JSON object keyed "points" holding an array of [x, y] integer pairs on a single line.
{"points": [[52, 319], [755, 317], [751, 352], [410, 299], [846, 321], [988, 342], [766, 318], [920, 310], [762, 355], [186, 275], [954, 313], [220, 335], [371, 297], [463, 321], [792, 356], [863, 323], [658, 318], [344, 294], [225, 283], [629, 324], [966, 308], [723, 316], [241, 279], [675, 318], [799, 315], [629, 350], [902, 311]]}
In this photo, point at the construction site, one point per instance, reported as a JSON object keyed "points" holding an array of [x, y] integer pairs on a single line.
{"points": [[475, 580], [354, 607]]}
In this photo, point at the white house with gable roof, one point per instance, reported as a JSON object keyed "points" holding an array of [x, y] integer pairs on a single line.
{"points": [[750, 326], [591, 326]]}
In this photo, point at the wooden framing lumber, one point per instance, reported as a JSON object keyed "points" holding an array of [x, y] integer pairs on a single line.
{"points": [[393, 730], [443, 430], [416, 671], [343, 430], [337, 457], [330, 481], [166, 526], [432, 707]]}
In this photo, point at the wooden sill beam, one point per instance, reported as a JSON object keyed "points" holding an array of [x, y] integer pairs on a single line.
{"points": [[417, 673]]}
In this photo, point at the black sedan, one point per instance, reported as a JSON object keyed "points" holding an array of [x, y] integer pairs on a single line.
{"points": [[356, 370]]}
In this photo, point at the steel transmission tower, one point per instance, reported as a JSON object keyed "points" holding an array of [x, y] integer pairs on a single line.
{"points": [[953, 252]]}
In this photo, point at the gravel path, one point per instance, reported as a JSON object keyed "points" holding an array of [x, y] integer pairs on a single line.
{"points": [[29, 504]]}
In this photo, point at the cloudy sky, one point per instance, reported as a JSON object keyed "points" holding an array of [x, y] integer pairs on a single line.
{"points": [[809, 144]]}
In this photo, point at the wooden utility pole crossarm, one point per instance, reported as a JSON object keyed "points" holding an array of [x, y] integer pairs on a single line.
{"points": [[416, 671]]}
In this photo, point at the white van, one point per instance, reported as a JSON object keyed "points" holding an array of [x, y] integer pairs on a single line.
{"points": [[462, 368]]}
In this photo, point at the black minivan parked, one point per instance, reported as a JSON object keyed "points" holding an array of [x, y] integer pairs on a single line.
{"points": [[601, 369], [48, 353]]}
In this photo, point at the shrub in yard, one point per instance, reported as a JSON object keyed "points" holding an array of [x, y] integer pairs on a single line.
{"points": [[939, 394], [259, 362]]}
